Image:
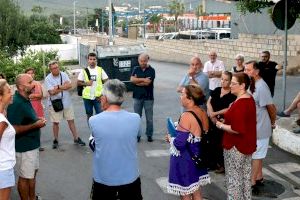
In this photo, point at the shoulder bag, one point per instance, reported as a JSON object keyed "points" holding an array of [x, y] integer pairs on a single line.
{"points": [[57, 104]]}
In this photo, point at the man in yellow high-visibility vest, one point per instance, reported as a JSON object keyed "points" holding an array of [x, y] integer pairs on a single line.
{"points": [[92, 85]]}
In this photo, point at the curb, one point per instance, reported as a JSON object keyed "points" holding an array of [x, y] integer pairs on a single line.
{"points": [[286, 139]]}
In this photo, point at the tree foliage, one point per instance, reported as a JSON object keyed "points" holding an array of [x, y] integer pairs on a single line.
{"points": [[42, 32], [31, 59], [199, 12], [155, 20], [17, 31], [176, 9], [255, 6], [14, 34]]}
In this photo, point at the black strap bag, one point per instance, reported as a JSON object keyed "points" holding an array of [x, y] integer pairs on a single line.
{"points": [[80, 87], [57, 104], [201, 161]]}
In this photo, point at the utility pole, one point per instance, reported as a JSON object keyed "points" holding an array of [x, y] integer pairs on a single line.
{"points": [[87, 18], [285, 53], [110, 41], [74, 17]]}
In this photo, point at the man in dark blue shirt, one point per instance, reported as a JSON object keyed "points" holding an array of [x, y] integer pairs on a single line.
{"points": [[142, 78]]}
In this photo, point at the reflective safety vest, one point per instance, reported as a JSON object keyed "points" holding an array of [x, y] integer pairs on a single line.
{"points": [[86, 93]]}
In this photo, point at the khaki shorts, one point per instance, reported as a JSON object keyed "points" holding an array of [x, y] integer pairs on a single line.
{"points": [[27, 163], [66, 113]]}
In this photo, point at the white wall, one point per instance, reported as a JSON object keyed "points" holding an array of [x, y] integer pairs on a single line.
{"points": [[65, 51]]}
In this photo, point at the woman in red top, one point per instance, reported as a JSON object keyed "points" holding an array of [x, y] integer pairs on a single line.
{"points": [[239, 140]]}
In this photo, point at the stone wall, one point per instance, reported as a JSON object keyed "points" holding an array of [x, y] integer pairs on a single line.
{"points": [[181, 51]]}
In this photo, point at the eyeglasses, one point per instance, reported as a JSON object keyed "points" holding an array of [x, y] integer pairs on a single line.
{"points": [[234, 83]]}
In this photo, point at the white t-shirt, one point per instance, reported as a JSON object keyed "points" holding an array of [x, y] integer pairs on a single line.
{"points": [[94, 74], [7, 146], [216, 66], [52, 81]]}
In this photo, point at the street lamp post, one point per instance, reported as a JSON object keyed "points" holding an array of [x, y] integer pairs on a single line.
{"points": [[74, 17], [110, 41]]}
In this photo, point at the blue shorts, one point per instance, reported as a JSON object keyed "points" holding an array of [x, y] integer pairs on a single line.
{"points": [[90, 104], [7, 178]]}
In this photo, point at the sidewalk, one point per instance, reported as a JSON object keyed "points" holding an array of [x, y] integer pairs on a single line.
{"points": [[284, 137]]}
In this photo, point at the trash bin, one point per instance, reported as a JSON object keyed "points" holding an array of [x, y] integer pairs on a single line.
{"points": [[119, 61]]}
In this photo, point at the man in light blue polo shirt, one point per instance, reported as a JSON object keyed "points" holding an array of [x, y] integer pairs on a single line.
{"points": [[195, 76], [115, 162]]}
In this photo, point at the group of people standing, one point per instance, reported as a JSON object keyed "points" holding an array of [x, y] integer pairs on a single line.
{"points": [[22, 117], [234, 108], [238, 116]]}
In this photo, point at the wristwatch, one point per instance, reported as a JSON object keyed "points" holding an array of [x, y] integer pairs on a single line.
{"points": [[191, 78]]}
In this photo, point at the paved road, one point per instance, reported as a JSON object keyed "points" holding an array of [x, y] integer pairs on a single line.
{"points": [[65, 174]]}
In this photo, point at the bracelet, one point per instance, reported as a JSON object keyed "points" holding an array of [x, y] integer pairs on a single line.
{"points": [[221, 127]]}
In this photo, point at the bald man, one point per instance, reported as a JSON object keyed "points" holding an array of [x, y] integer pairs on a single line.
{"points": [[27, 126], [142, 78], [195, 76]]}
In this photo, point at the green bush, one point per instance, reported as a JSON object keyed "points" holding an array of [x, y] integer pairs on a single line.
{"points": [[33, 59]]}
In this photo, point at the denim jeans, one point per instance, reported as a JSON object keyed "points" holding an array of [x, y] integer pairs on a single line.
{"points": [[138, 105], [90, 104]]}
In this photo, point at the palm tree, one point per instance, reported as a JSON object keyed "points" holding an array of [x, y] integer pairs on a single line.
{"points": [[199, 12], [155, 20], [177, 9]]}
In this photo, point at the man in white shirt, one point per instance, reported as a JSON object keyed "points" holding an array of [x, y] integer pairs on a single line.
{"points": [[214, 69], [92, 83]]}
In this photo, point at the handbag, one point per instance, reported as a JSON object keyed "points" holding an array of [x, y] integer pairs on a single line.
{"points": [[201, 161], [57, 104], [80, 87]]}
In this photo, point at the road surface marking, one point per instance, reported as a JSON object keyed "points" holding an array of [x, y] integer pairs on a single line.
{"points": [[272, 175], [157, 153], [163, 183], [287, 169]]}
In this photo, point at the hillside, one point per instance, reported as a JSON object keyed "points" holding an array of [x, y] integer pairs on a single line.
{"points": [[65, 7]]}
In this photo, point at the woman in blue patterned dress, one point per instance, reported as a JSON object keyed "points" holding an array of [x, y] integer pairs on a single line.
{"points": [[185, 178]]}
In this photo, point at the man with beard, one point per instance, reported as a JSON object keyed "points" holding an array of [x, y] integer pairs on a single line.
{"points": [[27, 125], [92, 84], [269, 70]]}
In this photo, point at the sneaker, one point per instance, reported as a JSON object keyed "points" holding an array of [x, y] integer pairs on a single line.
{"points": [[79, 142], [282, 114], [138, 138], [55, 144], [150, 139]]}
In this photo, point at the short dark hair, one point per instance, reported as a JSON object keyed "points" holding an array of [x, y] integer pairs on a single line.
{"points": [[241, 78], [266, 52], [229, 74], [29, 69], [92, 54]]}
